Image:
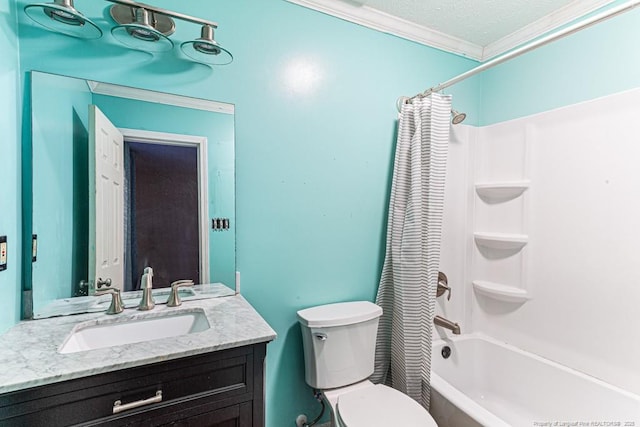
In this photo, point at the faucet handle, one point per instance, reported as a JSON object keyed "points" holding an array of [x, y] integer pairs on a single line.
{"points": [[116, 300], [174, 297], [443, 285]]}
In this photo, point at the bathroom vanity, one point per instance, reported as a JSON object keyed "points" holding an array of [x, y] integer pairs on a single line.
{"points": [[214, 377]]}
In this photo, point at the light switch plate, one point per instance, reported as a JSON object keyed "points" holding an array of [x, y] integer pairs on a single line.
{"points": [[3, 253], [34, 247]]}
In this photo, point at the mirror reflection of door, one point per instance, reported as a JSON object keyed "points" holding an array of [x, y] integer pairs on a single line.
{"points": [[162, 213], [106, 199], [145, 196]]}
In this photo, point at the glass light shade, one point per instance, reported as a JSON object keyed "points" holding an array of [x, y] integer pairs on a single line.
{"points": [[207, 51], [63, 19], [142, 37]]}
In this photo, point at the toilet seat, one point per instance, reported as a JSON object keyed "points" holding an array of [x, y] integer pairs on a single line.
{"points": [[381, 406]]}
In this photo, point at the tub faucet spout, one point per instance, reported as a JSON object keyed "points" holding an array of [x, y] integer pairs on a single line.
{"points": [[448, 324]]}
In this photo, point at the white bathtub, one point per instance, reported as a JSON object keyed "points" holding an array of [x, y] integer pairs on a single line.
{"points": [[488, 383]]}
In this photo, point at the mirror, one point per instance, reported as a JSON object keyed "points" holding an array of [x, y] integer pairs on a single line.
{"points": [[122, 179]]}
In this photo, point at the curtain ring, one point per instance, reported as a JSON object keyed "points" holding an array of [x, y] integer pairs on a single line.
{"points": [[402, 100]]}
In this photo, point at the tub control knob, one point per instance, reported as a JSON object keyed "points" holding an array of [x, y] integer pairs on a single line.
{"points": [[443, 285], [321, 337]]}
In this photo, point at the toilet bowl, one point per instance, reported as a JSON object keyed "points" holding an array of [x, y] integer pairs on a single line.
{"points": [[339, 347], [375, 405]]}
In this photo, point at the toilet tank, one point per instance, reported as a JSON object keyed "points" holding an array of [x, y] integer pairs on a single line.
{"points": [[339, 342]]}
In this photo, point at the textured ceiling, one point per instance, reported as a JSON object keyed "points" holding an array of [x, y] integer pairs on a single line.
{"points": [[478, 29], [478, 21]]}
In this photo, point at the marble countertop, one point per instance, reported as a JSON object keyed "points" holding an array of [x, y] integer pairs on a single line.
{"points": [[29, 354]]}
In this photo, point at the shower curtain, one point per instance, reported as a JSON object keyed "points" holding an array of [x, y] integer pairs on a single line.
{"points": [[407, 289]]}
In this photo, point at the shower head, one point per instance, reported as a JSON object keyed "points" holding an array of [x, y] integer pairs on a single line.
{"points": [[457, 117]]}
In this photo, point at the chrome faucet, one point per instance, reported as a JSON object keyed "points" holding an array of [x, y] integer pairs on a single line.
{"points": [[448, 324], [116, 305], [174, 296], [146, 284]]}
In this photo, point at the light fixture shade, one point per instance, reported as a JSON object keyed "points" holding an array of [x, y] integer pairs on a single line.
{"points": [[62, 17], [206, 50], [141, 35]]}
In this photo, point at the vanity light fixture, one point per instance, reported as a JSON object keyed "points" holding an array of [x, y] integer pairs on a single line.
{"points": [[140, 26]]}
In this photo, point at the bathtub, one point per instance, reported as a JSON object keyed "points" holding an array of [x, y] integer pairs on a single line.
{"points": [[488, 383]]}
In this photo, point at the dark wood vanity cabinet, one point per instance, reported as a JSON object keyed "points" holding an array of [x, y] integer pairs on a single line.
{"points": [[221, 389]]}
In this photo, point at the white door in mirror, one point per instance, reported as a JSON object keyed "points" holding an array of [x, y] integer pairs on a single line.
{"points": [[106, 195]]}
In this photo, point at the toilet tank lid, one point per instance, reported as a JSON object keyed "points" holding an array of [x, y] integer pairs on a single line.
{"points": [[339, 314]]}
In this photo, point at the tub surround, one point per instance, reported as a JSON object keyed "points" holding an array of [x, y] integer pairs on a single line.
{"points": [[29, 354], [578, 267]]}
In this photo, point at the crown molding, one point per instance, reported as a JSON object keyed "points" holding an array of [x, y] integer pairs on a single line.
{"points": [[552, 21], [160, 97], [381, 21]]}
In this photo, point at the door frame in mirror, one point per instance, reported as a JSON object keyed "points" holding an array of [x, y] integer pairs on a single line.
{"points": [[200, 144]]}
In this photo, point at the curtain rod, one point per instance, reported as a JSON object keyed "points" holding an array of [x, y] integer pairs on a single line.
{"points": [[610, 13]]}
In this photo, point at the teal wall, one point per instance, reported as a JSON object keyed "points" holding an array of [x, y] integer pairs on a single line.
{"points": [[595, 62], [10, 211], [315, 121], [315, 118]]}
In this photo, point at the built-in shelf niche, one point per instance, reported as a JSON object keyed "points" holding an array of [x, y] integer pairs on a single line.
{"points": [[497, 192], [501, 241], [500, 214], [500, 292]]}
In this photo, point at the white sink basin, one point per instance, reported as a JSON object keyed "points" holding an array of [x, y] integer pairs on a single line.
{"points": [[91, 336]]}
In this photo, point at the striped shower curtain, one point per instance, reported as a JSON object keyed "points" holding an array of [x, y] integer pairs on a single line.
{"points": [[407, 289]]}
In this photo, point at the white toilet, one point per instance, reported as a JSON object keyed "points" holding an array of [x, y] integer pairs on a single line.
{"points": [[339, 347]]}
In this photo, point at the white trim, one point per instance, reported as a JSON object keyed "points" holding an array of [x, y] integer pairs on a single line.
{"points": [[160, 97], [556, 19], [386, 23], [200, 143], [381, 21]]}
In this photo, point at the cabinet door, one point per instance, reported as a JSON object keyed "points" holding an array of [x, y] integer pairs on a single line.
{"points": [[232, 416], [224, 378]]}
